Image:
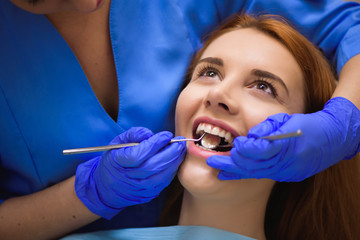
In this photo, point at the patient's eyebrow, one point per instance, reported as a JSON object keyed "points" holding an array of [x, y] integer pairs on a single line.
{"points": [[269, 75], [213, 60]]}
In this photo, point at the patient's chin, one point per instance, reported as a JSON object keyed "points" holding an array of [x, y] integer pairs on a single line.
{"points": [[201, 181], [198, 177]]}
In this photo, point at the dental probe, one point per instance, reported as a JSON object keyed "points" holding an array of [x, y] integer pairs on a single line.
{"points": [[284, 135], [117, 146]]}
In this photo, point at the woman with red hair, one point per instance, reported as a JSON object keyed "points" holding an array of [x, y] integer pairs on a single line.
{"points": [[324, 206], [249, 69]]}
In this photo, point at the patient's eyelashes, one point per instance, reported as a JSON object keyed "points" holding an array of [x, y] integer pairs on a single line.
{"points": [[207, 71], [265, 86], [211, 72]]}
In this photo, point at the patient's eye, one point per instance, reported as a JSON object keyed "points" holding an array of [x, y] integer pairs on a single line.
{"points": [[265, 86], [207, 71]]}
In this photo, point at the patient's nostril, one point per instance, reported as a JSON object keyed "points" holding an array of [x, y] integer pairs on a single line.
{"points": [[207, 103], [224, 106]]}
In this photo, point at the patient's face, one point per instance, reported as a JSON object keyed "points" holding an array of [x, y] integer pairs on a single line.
{"points": [[243, 77]]}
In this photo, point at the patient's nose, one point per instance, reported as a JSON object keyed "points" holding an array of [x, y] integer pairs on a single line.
{"points": [[219, 98]]}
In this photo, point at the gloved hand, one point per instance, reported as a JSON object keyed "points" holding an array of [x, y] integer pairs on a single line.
{"points": [[131, 175], [329, 136]]}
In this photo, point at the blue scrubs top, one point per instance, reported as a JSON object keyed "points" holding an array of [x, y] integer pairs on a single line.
{"points": [[47, 104]]}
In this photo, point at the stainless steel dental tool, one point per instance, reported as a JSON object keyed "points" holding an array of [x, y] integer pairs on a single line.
{"points": [[284, 135], [116, 146]]}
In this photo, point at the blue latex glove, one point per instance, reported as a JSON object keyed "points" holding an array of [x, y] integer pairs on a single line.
{"points": [[329, 136], [129, 176]]}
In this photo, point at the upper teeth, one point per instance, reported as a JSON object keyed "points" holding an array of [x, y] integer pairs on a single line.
{"points": [[214, 130]]}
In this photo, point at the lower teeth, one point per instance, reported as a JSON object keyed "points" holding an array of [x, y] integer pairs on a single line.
{"points": [[210, 141], [205, 148], [207, 145]]}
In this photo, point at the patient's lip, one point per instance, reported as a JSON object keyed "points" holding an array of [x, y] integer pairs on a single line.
{"points": [[195, 150], [216, 122]]}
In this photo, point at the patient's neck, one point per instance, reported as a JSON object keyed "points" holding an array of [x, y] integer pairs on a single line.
{"points": [[233, 216]]}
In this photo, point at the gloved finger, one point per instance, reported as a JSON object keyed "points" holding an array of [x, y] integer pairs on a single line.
{"points": [[139, 195], [270, 173], [168, 158], [228, 176], [267, 127], [135, 156], [121, 187], [236, 176], [257, 148], [253, 162], [157, 181], [274, 168], [162, 178], [125, 186], [228, 166], [134, 134], [171, 155], [239, 175], [166, 175], [224, 163], [275, 172]]}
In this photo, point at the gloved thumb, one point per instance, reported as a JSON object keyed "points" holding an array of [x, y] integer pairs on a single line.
{"points": [[134, 134], [136, 155], [270, 125]]}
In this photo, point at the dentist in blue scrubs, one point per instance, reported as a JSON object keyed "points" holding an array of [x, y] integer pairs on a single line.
{"points": [[81, 73]]}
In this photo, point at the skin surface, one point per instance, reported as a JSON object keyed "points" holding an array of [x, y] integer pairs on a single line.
{"points": [[233, 96], [52, 6], [348, 86], [88, 35]]}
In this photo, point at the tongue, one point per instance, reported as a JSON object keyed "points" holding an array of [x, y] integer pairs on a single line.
{"points": [[210, 141]]}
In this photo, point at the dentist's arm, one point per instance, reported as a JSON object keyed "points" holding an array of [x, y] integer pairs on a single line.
{"points": [[349, 81], [101, 187], [47, 214]]}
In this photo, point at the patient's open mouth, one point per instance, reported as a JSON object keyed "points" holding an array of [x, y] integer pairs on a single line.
{"points": [[215, 139]]}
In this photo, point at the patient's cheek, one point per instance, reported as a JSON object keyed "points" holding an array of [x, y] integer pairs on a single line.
{"points": [[256, 113]]}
